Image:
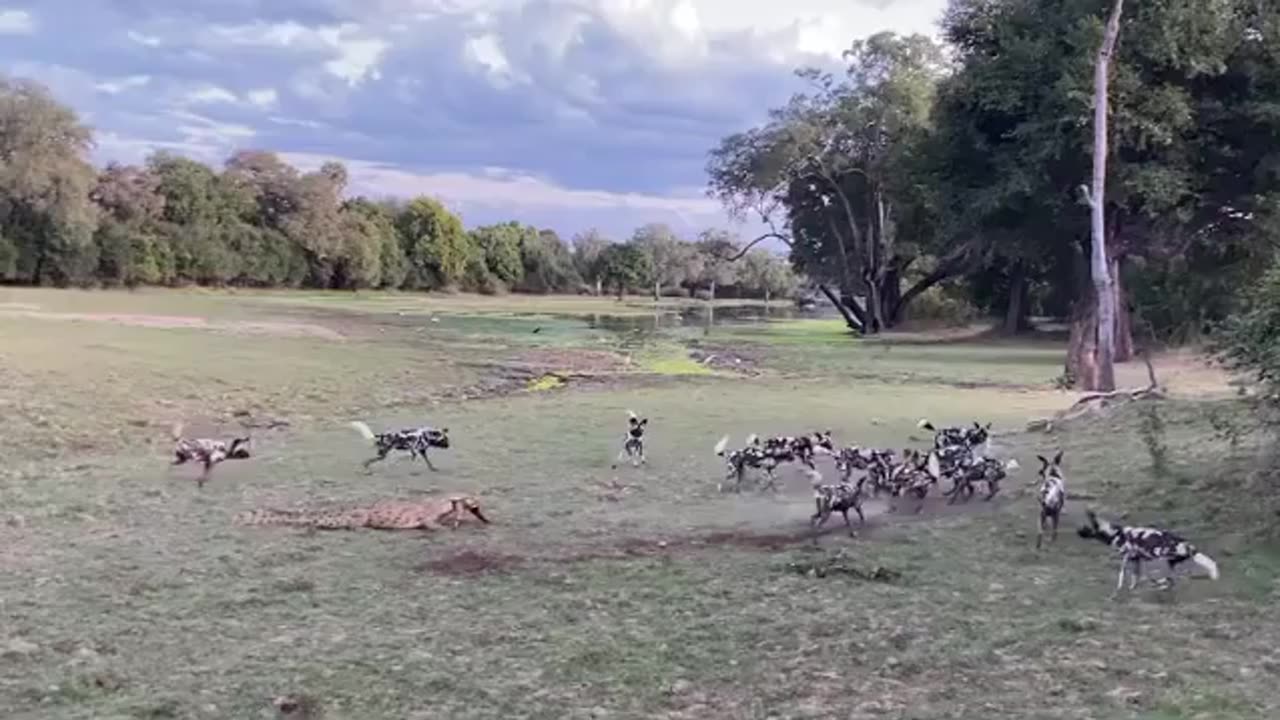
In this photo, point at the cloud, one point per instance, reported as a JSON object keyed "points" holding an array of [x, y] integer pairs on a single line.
{"points": [[601, 111], [16, 22]]}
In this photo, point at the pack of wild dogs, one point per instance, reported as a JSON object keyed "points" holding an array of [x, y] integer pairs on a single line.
{"points": [[960, 457]]}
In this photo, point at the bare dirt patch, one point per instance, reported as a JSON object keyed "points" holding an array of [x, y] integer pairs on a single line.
{"points": [[471, 562], [573, 361], [170, 322]]}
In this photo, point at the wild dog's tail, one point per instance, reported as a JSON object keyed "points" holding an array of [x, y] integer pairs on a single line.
{"points": [[752, 438], [926, 425], [720, 446], [1012, 464], [175, 431], [815, 478], [363, 429], [1207, 563], [631, 415]]}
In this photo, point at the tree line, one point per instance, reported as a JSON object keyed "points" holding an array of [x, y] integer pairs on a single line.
{"points": [[968, 170], [260, 222]]}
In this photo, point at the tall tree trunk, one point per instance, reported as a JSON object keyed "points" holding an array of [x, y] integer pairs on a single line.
{"points": [[1082, 369], [1124, 319], [657, 290], [890, 295], [713, 291], [1105, 377], [850, 319], [766, 297], [1016, 310], [599, 287]]}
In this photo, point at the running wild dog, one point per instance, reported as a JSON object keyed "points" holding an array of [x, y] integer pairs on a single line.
{"points": [[751, 455], [914, 475], [969, 470], [1144, 544], [415, 441], [1052, 496], [838, 497], [206, 451], [772, 453], [978, 436], [633, 441]]}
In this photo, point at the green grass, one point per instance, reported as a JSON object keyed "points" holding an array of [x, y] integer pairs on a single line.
{"points": [[628, 593]]}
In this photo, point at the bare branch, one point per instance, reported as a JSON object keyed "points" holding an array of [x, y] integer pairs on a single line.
{"points": [[767, 236]]}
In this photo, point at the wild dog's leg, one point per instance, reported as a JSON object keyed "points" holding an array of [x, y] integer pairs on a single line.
{"points": [[1124, 566], [204, 475], [427, 460], [1136, 575], [382, 455], [847, 524], [857, 507], [1040, 529], [1054, 518]]}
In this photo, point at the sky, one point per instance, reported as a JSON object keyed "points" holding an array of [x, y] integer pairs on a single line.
{"points": [[565, 114]]}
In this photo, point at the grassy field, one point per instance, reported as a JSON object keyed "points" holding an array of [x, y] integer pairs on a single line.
{"points": [[595, 593]]}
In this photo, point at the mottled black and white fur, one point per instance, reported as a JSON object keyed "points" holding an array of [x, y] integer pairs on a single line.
{"points": [[914, 475], [875, 463], [415, 441], [973, 438], [633, 441], [838, 497], [751, 455], [767, 456], [1137, 545], [1052, 496], [206, 451]]}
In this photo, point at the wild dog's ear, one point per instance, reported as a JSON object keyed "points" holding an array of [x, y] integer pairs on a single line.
{"points": [[1044, 463], [644, 422], [988, 427], [444, 431], [1057, 459], [1092, 517]]}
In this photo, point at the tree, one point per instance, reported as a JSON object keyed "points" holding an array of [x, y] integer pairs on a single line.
{"points": [[501, 247], [376, 224], [1104, 377], [625, 266], [668, 257], [435, 245], [825, 166], [714, 251], [129, 248], [767, 274], [47, 220], [588, 250], [548, 263]]}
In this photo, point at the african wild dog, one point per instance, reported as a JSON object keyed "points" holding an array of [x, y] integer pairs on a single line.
{"points": [[969, 470], [751, 455], [838, 497], [1143, 544], [914, 475], [773, 452], [978, 436], [876, 464], [415, 441], [206, 451], [1052, 496], [633, 441]]}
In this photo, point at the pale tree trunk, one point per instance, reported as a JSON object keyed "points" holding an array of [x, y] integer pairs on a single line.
{"points": [[713, 291], [766, 297], [1103, 378], [599, 287], [657, 290]]}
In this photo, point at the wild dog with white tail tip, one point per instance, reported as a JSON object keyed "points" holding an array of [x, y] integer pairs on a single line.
{"points": [[751, 455], [633, 441], [1052, 496], [415, 441], [206, 451], [1137, 545]]}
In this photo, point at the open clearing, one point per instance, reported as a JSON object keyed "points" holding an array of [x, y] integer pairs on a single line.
{"points": [[596, 593]]}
